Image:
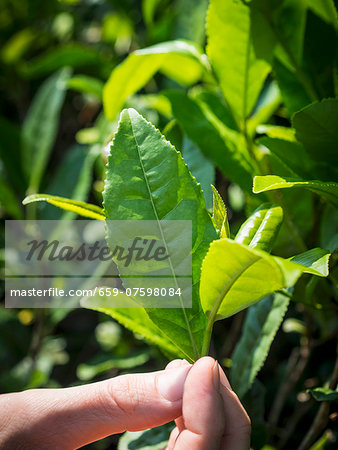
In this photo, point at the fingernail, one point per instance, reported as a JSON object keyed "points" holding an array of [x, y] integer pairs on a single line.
{"points": [[215, 376], [171, 382]]}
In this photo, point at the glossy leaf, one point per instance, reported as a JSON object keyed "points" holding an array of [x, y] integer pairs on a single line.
{"points": [[41, 125], [147, 179], [235, 276], [224, 146], [315, 259], [219, 215], [316, 128], [80, 208], [135, 72], [231, 53], [261, 228], [322, 394], [327, 190], [260, 327]]}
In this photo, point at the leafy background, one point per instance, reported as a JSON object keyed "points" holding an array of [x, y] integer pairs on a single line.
{"points": [[232, 118]]}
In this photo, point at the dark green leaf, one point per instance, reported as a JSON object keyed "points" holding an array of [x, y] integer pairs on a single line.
{"points": [[261, 228], [152, 439], [8, 200], [260, 327], [222, 145], [324, 9], [316, 128], [322, 394], [41, 125], [200, 167], [72, 179], [292, 154], [72, 55]]}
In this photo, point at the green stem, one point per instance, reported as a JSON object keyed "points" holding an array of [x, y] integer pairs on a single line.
{"points": [[207, 338]]}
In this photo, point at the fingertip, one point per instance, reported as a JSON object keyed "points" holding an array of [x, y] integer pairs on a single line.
{"points": [[176, 363]]}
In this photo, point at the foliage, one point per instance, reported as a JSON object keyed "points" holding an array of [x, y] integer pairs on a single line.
{"points": [[248, 104]]}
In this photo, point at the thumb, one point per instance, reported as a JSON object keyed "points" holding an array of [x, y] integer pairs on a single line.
{"points": [[72, 417]]}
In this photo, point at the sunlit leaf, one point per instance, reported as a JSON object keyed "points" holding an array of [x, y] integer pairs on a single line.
{"points": [[135, 72], [232, 55], [80, 208], [327, 190]]}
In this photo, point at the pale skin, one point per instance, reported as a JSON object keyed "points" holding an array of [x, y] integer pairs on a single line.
{"points": [[207, 413]]}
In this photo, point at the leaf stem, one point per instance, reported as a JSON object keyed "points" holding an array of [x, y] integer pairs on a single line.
{"points": [[207, 337]]}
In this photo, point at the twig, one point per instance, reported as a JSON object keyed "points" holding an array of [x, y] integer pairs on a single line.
{"points": [[297, 415], [322, 416], [296, 365]]}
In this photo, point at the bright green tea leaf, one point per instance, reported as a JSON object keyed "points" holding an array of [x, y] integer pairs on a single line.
{"points": [[135, 72], [219, 215], [80, 208], [260, 327], [327, 190], [147, 179], [261, 228], [231, 53], [316, 259], [41, 125], [235, 276]]}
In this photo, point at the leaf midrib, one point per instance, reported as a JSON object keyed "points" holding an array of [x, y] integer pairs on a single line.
{"points": [[158, 221]]}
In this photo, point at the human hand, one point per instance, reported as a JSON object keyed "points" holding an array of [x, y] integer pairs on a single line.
{"points": [[208, 414]]}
